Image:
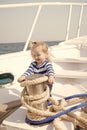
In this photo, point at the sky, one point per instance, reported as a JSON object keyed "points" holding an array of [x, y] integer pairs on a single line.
{"points": [[15, 24]]}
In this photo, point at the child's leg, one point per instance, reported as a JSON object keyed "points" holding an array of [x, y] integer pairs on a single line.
{"points": [[50, 87]]}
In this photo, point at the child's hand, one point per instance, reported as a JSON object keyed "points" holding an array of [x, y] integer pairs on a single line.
{"points": [[51, 79], [21, 79]]}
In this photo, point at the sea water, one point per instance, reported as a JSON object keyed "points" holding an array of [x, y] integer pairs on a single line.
{"points": [[6, 48]]}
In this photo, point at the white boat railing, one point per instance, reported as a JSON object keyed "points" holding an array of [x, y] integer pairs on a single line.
{"points": [[40, 5]]}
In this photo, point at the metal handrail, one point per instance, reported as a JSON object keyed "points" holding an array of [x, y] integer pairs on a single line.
{"points": [[37, 4], [40, 5]]}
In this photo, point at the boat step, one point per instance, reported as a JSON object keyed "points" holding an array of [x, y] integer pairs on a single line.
{"points": [[70, 60], [71, 74]]}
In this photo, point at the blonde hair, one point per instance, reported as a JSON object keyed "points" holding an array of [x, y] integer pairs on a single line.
{"points": [[34, 45]]}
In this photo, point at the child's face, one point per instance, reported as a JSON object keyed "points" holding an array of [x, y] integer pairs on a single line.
{"points": [[38, 55]]}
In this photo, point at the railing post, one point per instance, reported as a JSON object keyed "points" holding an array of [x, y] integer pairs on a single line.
{"points": [[68, 24], [32, 28], [80, 19]]}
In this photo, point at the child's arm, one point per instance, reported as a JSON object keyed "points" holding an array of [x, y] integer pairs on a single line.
{"points": [[51, 79], [29, 71], [21, 79], [50, 71]]}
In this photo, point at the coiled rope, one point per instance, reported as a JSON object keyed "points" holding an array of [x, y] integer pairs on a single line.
{"points": [[51, 118], [55, 109]]}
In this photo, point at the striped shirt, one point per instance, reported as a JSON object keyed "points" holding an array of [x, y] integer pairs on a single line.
{"points": [[46, 68]]}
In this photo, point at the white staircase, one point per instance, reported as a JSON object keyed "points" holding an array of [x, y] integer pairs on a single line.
{"points": [[71, 68]]}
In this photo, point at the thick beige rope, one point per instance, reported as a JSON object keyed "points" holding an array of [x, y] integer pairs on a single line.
{"points": [[34, 81], [57, 124], [34, 110], [80, 119], [30, 101]]}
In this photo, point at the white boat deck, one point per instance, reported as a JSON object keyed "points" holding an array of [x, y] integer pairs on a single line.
{"points": [[69, 81], [11, 63], [17, 122]]}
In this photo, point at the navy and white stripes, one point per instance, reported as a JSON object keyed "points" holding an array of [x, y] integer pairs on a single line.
{"points": [[46, 68]]}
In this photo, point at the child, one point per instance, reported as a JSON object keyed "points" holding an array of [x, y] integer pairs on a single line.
{"points": [[41, 64]]}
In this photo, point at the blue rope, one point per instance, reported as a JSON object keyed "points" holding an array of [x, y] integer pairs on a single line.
{"points": [[75, 96], [70, 97], [51, 118]]}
